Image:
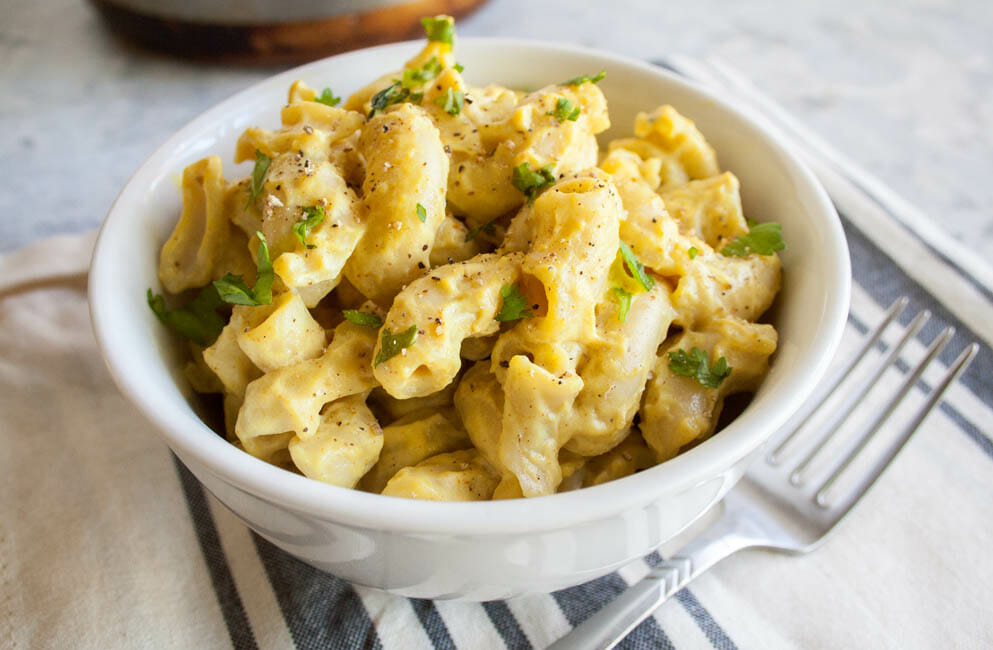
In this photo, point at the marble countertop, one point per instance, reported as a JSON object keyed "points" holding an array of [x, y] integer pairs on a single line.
{"points": [[905, 88]]}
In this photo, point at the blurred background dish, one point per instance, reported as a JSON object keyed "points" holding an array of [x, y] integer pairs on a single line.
{"points": [[268, 31]]}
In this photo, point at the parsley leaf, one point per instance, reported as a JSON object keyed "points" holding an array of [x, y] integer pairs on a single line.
{"points": [[636, 268], [441, 30], [327, 98], [763, 238], [487, 227], [458, 67], [693, 252], [392, 94], [422, 214], [515, 304], [695, 365], [390, 344], [584, 78], [565, 110], [261, 168], [421, 75], [314, 217], [363, 318], [451, 102], [197, 321], [233, 290], [624, 299], [530, 182]]}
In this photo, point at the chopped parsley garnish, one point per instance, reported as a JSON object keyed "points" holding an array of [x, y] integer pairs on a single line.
{"points": [[327, 98], [565, 110], [693, 252], [451, 102], [363, 318], [441, 30], [233, 290], [392, 94], [489, 227], [584, 78], [261, 168], [530, 182], [696, 365], [314, 217], [422, 214], [458, 67], [391, 344], [515, 304], [624, 300], [421, 75], [636, 268], [197, 321], [763, 238]]}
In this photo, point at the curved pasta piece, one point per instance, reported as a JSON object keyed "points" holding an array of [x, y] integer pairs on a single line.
{"points": [[187, 258], [456, 476], [230, 364], [393, 409], [535, 401], [615, 371], [343, 448], [313, 267], [573, 470], [661, 169], [491, 106], [480, 183], [272, 449], [199, 374], [677, 135], [279, 334], [308, 126], [574, 240], [709, 209], [448, 305], [451, 245], [715, 286], [632, 455], [406, 167], [290, 398], [478, 348], [479, 402], [295, 183], [679, 410], [649, 230], [410, 440], [237, 254]]}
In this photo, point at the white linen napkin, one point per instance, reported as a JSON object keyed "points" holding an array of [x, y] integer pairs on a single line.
{"points": [[106, 541]]}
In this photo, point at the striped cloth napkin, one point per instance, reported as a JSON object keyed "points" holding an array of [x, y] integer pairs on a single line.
{"points": [[107, 541]]}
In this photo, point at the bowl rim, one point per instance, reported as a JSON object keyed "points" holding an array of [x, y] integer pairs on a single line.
{"points": [[191, 439]]}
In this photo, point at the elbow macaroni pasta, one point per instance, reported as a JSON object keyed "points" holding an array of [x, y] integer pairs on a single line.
{"points": [[448, 292]]}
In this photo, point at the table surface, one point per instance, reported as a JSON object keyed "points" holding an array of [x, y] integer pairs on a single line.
{"points": [[904, 88]]}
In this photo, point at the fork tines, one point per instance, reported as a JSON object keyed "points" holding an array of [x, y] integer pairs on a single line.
{"points": [[855, 391]]}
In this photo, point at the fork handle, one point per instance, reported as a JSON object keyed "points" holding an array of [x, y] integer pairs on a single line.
{"points": [[620, 616]]}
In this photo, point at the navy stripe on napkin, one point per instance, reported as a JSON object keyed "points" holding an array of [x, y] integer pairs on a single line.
{"points": [[232, 609], [579, 603], [884, 281], [431, 620], [506, 624], [321, 610]]}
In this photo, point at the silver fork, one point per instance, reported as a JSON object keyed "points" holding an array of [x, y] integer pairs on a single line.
{"points": [[776, 505]]}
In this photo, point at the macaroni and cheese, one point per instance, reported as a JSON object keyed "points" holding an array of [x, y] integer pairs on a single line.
{"points": [[441, 291]]}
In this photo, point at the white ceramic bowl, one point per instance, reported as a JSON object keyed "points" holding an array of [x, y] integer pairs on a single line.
{"points": [[492, 549]]}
